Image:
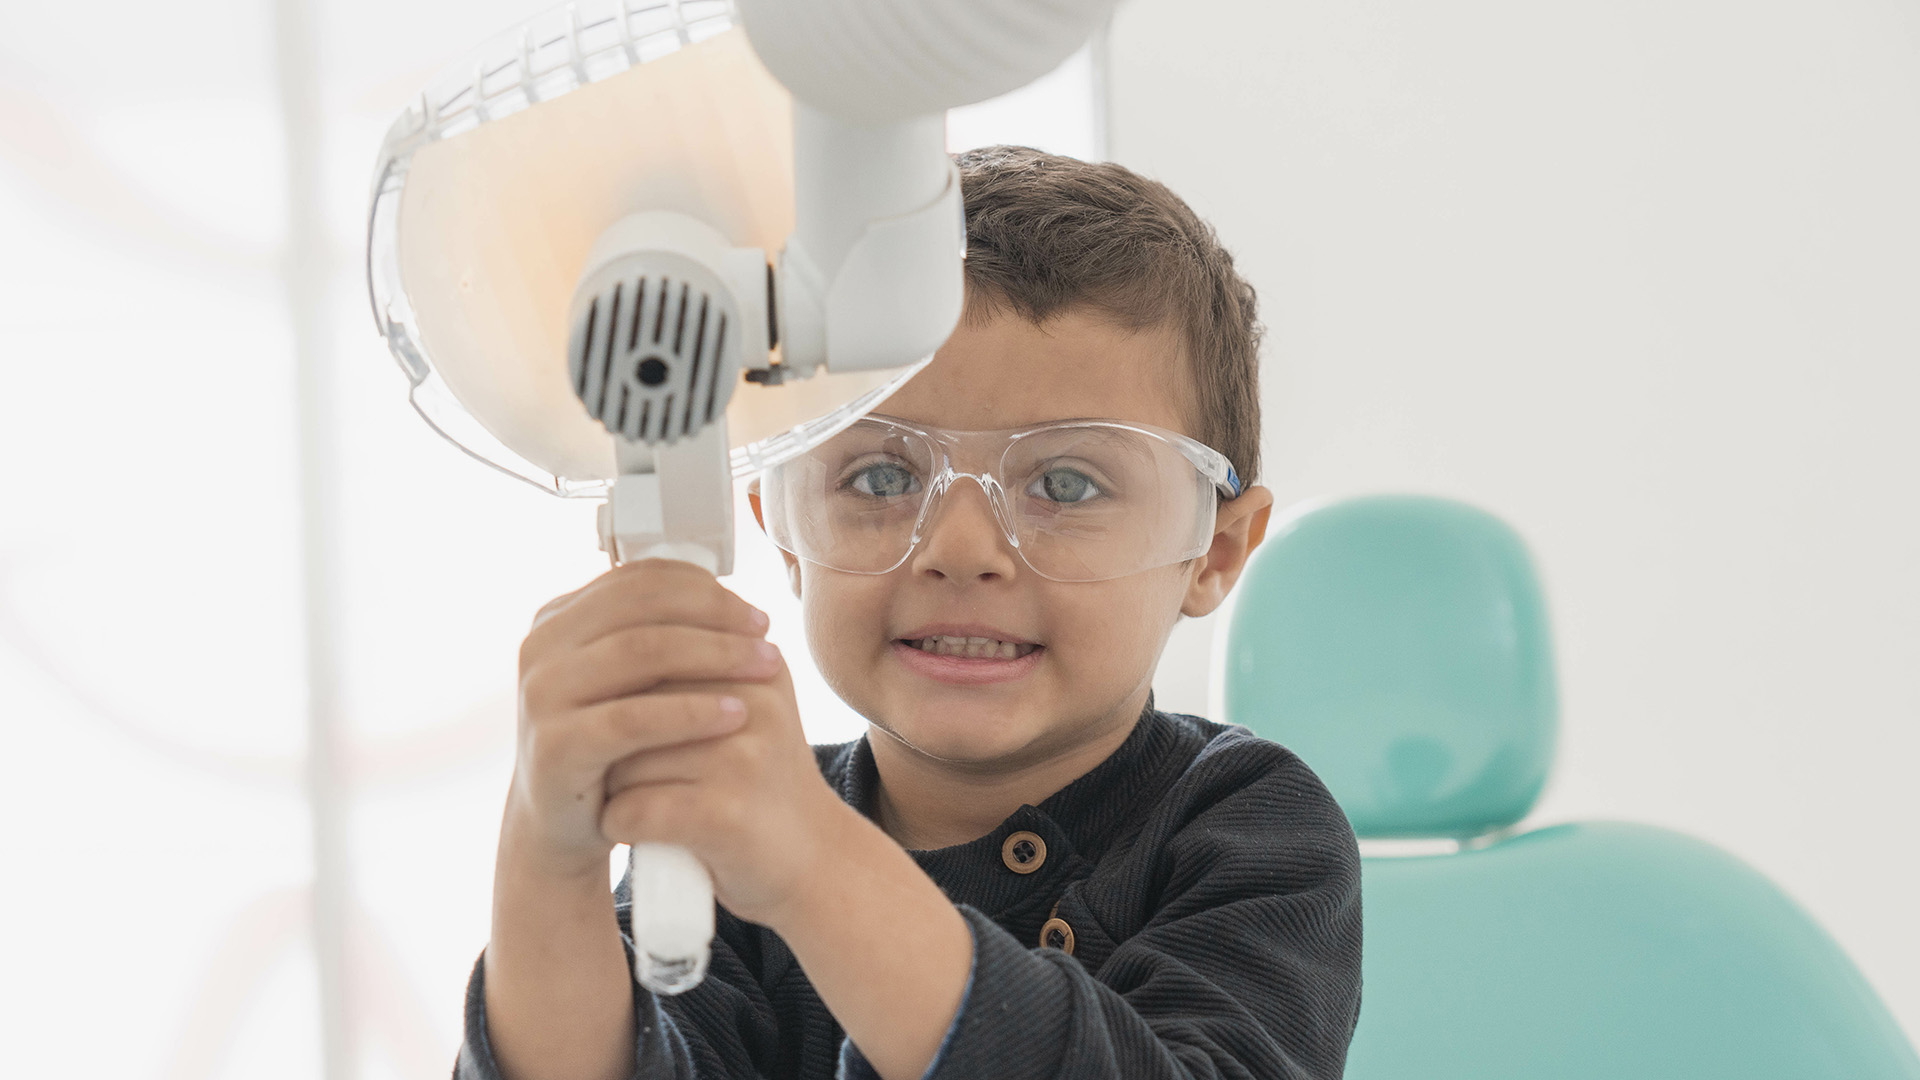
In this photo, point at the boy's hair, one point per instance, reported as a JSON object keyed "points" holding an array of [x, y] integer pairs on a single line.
{"points": [[1046, 234]]}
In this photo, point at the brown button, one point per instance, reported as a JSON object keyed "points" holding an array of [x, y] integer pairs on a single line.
{"points": [[1023, 852], [1056, 934]]}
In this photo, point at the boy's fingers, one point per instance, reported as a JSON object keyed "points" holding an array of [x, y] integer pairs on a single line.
{"points": [[640, 658], [548, 609], [616, 730], [696, 759], [648, 591], [661, 765]]}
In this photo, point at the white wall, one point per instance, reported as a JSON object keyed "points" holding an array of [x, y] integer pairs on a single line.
{"points": [[1643, 278]]}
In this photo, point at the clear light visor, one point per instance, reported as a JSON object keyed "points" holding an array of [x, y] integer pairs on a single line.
{"points": [[1079, 501]]}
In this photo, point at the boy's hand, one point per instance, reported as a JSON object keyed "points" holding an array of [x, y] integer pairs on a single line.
{"points": [[750, 804], [636, 668]]}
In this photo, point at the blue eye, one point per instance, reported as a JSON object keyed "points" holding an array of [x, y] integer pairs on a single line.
{"points": [[1063, 485], [885, 480]]}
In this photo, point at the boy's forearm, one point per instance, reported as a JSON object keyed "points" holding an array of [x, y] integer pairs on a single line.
{"points": [[558, 994], [885, 949]]}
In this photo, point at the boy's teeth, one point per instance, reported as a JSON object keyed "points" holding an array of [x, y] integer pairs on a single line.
{"points": [[976, 648]]}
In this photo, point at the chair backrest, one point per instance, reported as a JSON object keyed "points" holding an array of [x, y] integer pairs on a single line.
{"points": [[1400, 646]]}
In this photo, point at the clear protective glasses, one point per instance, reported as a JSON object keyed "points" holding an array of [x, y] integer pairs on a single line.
{"points": [[1079, 500]]}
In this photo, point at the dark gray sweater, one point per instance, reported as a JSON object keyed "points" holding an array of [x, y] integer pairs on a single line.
{"points": [[1206, 889]]}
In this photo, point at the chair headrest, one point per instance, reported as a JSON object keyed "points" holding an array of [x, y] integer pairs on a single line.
{"points": [[1400, 646]]}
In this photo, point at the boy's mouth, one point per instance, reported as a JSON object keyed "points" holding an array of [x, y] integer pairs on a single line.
{"points": [[971, 648]]}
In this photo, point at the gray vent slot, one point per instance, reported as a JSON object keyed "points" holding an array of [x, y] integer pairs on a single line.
{"points": [[660, 379]]}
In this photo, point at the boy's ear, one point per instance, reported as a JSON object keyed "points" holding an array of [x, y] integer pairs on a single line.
{"points": [[1238, 528], [759, 518]]}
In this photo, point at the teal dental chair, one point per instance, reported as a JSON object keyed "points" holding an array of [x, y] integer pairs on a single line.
{"points": [[1400, 646]]}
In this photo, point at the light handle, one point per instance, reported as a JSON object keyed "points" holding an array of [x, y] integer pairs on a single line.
{"points": [[672, 502], [672, 917]]}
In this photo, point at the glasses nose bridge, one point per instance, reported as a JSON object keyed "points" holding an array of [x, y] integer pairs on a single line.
{"points": [[989, 486]]}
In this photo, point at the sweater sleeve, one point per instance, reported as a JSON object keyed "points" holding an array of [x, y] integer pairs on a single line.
{"points": [[707, 1032], [1247, 963]]}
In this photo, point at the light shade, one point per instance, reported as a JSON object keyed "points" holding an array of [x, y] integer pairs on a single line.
{"points": [[490, 193]]}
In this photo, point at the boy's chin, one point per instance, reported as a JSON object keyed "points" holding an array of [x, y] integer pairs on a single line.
{"points": [[966, 734]]}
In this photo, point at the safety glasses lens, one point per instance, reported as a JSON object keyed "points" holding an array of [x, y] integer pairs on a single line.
{"points": [[1092, 502], [851, 502], [1085, 501]]}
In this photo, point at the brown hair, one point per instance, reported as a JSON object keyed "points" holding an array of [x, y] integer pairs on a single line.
{"points": [[1046, 234]]}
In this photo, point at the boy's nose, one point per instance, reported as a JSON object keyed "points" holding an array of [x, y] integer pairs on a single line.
{"points": [[963, 540]]}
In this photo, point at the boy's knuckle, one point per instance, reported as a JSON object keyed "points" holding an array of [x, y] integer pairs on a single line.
{"points": [[642, 646], [646, 716], [638, 594], [627, 715], [738, 650], [535, 693], [728, 607], [656, 578], [695, 711], [534, 648], [667, 812], [548, 691], [623, 817], [726, 813], [540, 748], [748, 754], [639, 815]]}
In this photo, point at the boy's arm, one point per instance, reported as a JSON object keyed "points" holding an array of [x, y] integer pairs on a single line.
{"points": [[882, 945], [888, 953], [1249, 963], [558, 996], [632, 666], [542, 922]]}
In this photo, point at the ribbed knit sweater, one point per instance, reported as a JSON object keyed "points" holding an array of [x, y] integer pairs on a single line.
{"points": [[1211, 890]]}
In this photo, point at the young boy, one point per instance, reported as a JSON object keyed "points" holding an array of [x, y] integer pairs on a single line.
{"points": [[1023, 869]]}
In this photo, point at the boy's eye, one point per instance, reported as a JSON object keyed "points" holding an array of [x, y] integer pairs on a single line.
{"points": [[884, 480], [1063, 485]]}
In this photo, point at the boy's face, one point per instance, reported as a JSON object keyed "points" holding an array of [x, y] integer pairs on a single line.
{"points": [[1098, 641]]}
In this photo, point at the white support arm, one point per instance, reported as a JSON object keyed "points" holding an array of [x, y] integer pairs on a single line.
{"points": [[871, 277]]}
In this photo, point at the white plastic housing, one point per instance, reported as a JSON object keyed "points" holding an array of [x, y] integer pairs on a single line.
{"points": [[664, 317], [880, 61]]}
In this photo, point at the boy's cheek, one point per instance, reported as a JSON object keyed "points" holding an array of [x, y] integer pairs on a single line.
{"points": [[842, 617]]}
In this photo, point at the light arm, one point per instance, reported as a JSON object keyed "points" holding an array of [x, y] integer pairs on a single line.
{"points": [[871, 277]]}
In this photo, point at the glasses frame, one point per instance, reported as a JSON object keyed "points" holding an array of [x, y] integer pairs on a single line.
{"points": [[1211, 464]]}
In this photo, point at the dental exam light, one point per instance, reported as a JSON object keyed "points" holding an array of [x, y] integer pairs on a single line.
{"points": [[568, 254]]}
